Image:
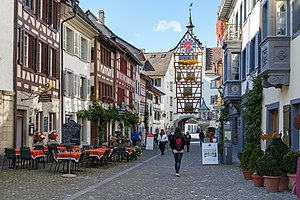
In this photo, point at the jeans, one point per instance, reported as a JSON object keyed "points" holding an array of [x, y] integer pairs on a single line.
{"points": [[177, 157], [162, 146], [201, 141], [188, 146]]}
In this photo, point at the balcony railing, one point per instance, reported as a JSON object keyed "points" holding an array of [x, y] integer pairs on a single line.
{"points": [[233, 32]]}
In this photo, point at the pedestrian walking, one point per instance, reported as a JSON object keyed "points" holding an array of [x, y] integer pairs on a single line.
{"points": [[188, 141], [162, 141], [177, 144], [134, 137], [201, 136]]}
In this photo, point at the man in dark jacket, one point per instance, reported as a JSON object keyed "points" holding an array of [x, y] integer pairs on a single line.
{"points": [[201, 136]]}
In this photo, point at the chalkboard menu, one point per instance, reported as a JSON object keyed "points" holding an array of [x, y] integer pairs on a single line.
{"points": [[71, 133]]}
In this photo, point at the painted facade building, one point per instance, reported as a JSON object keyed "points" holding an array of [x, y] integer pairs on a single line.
{"points": [[78, 34]]}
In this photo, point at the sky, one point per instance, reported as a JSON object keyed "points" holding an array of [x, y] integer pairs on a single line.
{"points": [[157, 25]]}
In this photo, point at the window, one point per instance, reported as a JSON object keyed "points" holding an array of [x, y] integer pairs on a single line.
{"points": [[131, 71], [52, 121], [152, 56], [83, 48], [157, 82], [171, 86], [213, 84], [171, 116], [26, 53], [265, 17], [83, 88], [69, 40], [68, 118], [281, 18], [235, 66], [69, 83], [29, 4], [213, 98], [38, 121], [245, 10], [171, 101], [123, 66], [106, 57], [296, 18], [163, 55], [49, 12]]}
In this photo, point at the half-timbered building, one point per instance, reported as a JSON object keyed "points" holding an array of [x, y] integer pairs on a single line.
{"points": [[188, 64], [37, 68]]}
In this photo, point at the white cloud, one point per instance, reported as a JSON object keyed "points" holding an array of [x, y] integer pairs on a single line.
{"points": [[165, 25]]}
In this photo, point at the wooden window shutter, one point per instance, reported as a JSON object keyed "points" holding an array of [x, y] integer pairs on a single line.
{"points": [[88, 90], [31, 53], [88, 51], [44, 11], [53, 63], [48, 59], [57, 64], [36, 54], [55, 15], [49, 12], [38, 8], [65, 37], [66, 82], [21, 38]]}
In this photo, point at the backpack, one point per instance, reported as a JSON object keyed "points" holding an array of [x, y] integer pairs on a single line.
{"points": [[178, 144]]}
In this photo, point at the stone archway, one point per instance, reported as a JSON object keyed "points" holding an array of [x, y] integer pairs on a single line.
{"points": [[181, 121]]}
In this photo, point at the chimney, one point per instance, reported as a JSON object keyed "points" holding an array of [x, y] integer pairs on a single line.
{"points": [[101, 16], [143, 50]]}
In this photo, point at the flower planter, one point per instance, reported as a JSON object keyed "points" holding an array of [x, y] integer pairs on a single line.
{"points": [[258, 180], [284, 182], [292, 180], [247, 174], [272, 183]]}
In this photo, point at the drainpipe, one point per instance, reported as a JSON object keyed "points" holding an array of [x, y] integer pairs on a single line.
{"points": [[62, 65]]}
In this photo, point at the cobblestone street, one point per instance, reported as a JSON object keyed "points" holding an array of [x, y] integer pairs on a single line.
{"points": [[152, 176]]}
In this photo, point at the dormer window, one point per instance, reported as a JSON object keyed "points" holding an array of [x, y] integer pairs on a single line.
{"points": [[163, 55], [152, 56]]}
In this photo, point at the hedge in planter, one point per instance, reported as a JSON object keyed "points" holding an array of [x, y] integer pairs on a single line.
{"points": [[290, 162], [256, 154]]}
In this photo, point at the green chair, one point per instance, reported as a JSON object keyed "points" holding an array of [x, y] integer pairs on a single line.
{"points": [[105, 156], [10, 155], [25, 157], [55, 160], [86, 147], [113, 156], [122, 153]]}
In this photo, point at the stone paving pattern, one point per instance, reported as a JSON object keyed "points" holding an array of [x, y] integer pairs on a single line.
{"points": [[152, 176]]}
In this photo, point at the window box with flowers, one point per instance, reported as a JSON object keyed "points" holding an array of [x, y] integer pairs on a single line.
{"points": [[178, 78], [190, 78], [188, 62], [187, 93], [188, 109], [53, 135], [38, 137]]}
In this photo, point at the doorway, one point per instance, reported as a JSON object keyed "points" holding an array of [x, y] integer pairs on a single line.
{"points": [[20, 135]]}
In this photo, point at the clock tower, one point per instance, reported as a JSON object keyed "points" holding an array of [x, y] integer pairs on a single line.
{"points": [[188, 64]]}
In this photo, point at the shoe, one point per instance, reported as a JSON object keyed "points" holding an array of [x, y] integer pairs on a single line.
{"points": [[177, 174]]}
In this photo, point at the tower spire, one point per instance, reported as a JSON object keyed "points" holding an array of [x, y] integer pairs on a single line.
{"points": [[190, 25]]}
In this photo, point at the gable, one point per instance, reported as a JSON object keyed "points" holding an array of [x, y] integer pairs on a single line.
{"points": [[188, 45]]}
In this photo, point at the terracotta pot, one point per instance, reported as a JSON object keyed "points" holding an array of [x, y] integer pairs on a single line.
{"points": [[272, 183], [258, 180], [292, 180], [284, 182], [247, 174]]}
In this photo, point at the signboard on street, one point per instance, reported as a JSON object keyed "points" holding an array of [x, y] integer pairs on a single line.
{"points": [[210, 153], [149, 141]]}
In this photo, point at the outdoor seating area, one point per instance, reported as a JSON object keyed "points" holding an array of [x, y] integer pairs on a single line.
{"points": [[60, 157]]}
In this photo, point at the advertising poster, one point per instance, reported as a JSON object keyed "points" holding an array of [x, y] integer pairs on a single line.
{"points": [[149, 141], [210, 153]]}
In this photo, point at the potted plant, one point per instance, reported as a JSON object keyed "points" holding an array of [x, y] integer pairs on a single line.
{"points": [[257, 178], [270, 165], [290, 166], [244, 162]]}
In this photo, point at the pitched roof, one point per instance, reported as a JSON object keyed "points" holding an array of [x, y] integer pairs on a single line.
{"points": [[157, 64]]}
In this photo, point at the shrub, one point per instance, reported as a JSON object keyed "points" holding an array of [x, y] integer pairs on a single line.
{"points": [[268, 166], [290, 162], [244, 158], [256, 154]]}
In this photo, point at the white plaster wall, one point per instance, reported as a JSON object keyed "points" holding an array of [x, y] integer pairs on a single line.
{"points": [[6, 47]]}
